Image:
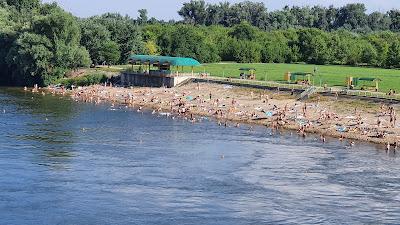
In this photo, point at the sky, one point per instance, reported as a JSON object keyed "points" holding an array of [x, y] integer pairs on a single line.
{"points": [[167, 9]]}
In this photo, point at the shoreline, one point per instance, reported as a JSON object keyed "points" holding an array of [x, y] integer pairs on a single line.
{"points": [[238, 105]]}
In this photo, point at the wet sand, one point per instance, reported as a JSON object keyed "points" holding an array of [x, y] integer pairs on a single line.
{"points": [[231, 106]]}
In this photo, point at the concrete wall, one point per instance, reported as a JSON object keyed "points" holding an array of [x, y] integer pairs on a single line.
{"points": [[145, 80]]}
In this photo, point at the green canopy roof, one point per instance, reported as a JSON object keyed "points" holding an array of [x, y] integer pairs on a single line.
{"points": [[247, 69], [173, 61], [369, 79], [301, 73]]}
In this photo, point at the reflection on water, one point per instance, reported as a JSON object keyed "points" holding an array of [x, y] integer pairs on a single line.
{"points": [[67, 163], [41, 121]]}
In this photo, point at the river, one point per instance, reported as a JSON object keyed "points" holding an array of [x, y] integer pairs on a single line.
{"points": [[63, 162]]}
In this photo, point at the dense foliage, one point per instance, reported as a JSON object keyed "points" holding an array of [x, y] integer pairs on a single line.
{"points": [[89, 79], [350, 17], [40, 43], [245, 43]]}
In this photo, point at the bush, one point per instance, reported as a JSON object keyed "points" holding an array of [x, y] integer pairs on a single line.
{"points": [[90, 79]]}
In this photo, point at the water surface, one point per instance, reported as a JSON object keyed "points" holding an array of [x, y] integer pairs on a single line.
{"points": [[63, 162]]}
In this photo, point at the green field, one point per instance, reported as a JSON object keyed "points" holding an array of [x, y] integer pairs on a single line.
{"points": [[331, 75]]}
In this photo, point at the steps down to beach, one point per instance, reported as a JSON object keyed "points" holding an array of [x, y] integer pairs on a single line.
{"points": [[307, 93]]}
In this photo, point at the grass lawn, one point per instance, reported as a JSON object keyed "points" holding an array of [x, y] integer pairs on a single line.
{"points": [[331, 75]]}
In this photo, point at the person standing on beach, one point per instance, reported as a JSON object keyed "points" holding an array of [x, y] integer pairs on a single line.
{"points": [[210, 96], [305, 110], [392, 113]]}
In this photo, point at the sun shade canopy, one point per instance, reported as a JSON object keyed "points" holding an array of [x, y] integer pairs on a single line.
{"points": [[369, 79], [301, 74], [247, 69], [163, 60]]}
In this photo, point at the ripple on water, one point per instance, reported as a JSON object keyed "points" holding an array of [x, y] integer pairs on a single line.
{"points": [[88, 164]]}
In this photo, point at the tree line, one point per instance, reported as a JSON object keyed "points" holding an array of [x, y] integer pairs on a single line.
{"points": [[40, 43], [351, 17], [247, 44]]}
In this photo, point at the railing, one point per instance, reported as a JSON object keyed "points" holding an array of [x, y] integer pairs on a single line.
{"points": [[270, 84], [298, 87], [370, 94]]}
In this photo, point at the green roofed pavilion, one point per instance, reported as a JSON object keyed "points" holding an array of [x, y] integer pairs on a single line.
{"points": [[163, 60], [158, 71]]}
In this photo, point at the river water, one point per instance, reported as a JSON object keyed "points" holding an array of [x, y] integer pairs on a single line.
{"points": [[63, 162]]}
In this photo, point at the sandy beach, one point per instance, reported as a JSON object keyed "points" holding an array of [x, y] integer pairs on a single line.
{"points": [[231, 106]]}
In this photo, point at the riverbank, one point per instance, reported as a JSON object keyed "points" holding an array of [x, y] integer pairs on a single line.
{"points": [[230, 106]]}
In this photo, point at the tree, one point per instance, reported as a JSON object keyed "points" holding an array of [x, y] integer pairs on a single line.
{"points": [[124, 32], [214, 15], [46, 50], [313, 46], [94, 36], [6, 24], [303, 16], [245, 51], [320, 18], [381, 45], [319, 51], [184, 41], [110, 52], [393, 57], [56, 24], [369, 54], [395, 20], [8, 35], [378, 21], [244, 31], [275, 48], [30, 59], [24, 4], [193, 12], [352, 16], [151, 48], [70, 56], [143, 18]]}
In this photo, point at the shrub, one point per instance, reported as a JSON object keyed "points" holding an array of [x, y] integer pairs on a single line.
{"points": [[90, 79]]}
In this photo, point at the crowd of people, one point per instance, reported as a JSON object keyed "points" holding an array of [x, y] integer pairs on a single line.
{"points": [[232, 106]]}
